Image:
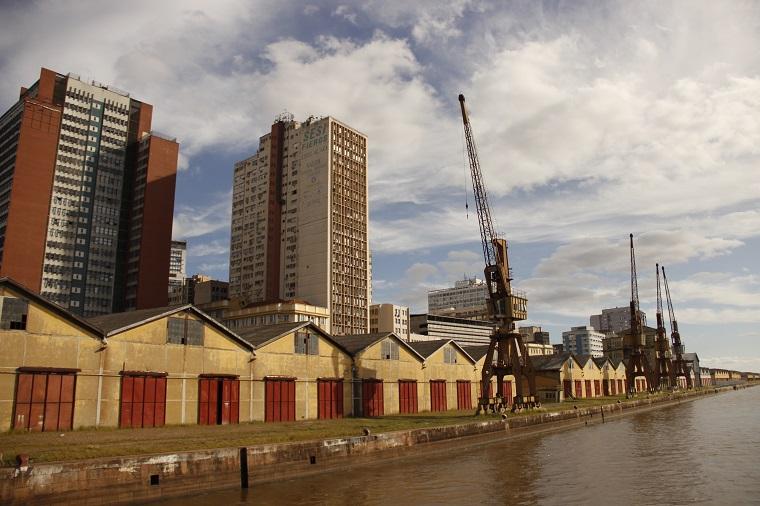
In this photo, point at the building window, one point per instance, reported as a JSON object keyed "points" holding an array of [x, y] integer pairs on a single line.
{"points": [[450, 355], [185, 331], [390, 350], [306, 343], [13, 313]]}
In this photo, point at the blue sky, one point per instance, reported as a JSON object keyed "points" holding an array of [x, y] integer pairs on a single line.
{"points": [[593, 120]]}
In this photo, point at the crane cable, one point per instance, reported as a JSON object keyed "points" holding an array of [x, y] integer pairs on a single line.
{"points": [[464, 171]]}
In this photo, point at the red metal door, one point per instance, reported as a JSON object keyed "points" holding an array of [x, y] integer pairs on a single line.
{"points": [[588, 388], [225, 401], [330, 399], [234, 400], [613, 386], [597, 388], [143, 401], [407, 396], [203, 387], [464, 394], [437, 395], [480, 390], [568, 387], [213, 401], [508, 392], [578, 389], [372, 398], [280, 400], [620, 386], [44, 401]]}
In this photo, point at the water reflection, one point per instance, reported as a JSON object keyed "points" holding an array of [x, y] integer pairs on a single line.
{"points": [[703, 452]]}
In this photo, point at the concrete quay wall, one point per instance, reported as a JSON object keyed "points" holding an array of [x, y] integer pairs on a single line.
{"points": [[139, 478]]}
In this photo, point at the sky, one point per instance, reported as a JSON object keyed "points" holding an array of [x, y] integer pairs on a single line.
{"points": [[593, 120]]}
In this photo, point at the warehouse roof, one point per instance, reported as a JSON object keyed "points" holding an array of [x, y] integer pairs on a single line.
{"points": [[261, 336], [356, 343], [47, 304], [116, 323], [477, 352], [582, 359], [427, 348], [550, 362]]}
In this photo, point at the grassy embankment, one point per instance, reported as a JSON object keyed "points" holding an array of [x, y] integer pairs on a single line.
{"points": [[94, 443]]}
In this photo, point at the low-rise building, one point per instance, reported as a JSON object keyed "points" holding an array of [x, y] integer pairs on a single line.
{"points": [[464, 332], [449, 371], [300, 372], [387, 374], [389, 318], [141, 368], [240, 316]]}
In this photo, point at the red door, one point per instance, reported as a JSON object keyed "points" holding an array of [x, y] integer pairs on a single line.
{"points": [[568, 387], [620, 386], [280, 400], [438, 395], [143, 401], [480, 390], [44, 401], [464, 394], [372, 397], [578, 389], [407, 396], [218, 401], [597, 388], [508, 397], [330, 398], [588, 388]]}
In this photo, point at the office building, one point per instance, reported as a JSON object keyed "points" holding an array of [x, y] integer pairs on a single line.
{"points": [[389, 318], [300, 220], [199, 289], [86, 196], [468, 299], [583, 341], [464, 332], [534, 334], [177, 265]]}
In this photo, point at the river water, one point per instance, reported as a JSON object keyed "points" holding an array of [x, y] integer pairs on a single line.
{"points": [[701, 452]]}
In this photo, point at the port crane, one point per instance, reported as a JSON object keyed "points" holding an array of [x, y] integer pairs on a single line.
{"points": [[679, 364], [664, 366], [633, 343], [505, 305]]}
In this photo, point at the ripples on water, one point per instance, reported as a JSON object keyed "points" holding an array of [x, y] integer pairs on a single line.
{"points": [[701, 452]]}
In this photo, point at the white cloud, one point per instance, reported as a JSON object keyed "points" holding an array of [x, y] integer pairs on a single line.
{"points": [[192, 222], [211, 248]]}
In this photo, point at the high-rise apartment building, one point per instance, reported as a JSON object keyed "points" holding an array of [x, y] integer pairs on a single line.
{"points": [[86, 196], [468, 298], [300, 220], [177, 265]]}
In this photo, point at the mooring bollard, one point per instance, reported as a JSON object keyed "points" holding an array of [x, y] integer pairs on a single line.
{"points": [[243, 468]]}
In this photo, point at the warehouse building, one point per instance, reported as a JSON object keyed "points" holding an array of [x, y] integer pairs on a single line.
{"points": [[449, 372]]}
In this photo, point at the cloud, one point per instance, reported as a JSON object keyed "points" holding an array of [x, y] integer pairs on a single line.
{"points": [[211, 248], [192, 221]]}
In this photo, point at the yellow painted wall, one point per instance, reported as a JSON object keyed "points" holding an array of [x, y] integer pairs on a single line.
{"points": [[278, 358]]}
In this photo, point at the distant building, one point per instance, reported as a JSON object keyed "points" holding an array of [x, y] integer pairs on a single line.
{"points": [[468, 298], [299, 226], [199, 289], [465, 332], [615, 319], [241, 317], [389, 318], [558, 348], [584, 340], [614, 349], [534, 334], [86, 196], [177, 265]]}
